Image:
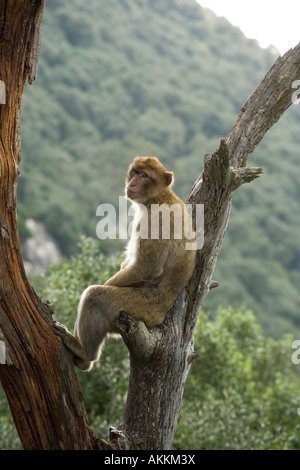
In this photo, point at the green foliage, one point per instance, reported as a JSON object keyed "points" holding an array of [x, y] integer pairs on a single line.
{"points": [[9, 439], [105, 387], [64, 283], [166, 78], [118, 79], [242, 391], [259, 262]]}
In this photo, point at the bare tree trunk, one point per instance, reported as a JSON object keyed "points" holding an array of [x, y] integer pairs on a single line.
{"points": [[38, 377]]}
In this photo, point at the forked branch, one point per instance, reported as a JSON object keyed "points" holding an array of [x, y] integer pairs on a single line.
{"points": [[224, 171]]}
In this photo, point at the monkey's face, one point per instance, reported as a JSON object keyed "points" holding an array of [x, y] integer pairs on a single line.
{"points": [[147, 178], [137, 188]]}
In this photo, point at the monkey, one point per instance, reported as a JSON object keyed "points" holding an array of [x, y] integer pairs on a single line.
{"points": [[154, 272]]}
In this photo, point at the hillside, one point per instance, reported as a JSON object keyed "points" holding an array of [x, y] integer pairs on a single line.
{"points": [[165, 78]]}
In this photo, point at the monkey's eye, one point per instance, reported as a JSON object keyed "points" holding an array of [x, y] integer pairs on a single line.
{"points": [[132, 174], [144, 174]]}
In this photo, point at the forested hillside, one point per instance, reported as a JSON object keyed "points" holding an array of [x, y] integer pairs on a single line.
{"points": [[167, 78]]}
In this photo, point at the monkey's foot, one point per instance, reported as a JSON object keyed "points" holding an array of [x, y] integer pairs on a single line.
{"points": [[74, 346]]}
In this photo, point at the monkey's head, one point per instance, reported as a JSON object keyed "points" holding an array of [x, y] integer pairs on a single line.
{"points": [[147, 179]]}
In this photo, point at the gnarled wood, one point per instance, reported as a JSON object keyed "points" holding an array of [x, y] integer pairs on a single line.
{"points": [[224, 171], [38, 377]]}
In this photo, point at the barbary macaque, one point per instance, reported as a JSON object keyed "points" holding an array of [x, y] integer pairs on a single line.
{"points": [[156, 268]]}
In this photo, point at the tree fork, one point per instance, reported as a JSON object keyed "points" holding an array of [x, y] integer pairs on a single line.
{"points": [[224, 171]]}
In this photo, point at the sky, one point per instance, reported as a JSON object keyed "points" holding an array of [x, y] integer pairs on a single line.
{"points": [[271, 22]]}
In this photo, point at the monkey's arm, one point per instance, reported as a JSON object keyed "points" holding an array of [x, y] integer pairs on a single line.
{"points": [[144, 271], [128, 277]]}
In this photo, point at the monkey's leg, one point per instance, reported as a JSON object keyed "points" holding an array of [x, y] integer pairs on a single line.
{"points": [[97, 312], [80, 355], [148, 304]]}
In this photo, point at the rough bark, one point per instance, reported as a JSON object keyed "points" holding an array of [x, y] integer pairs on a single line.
{"points": [[38, 377]]}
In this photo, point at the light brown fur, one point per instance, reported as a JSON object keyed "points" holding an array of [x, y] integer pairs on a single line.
{"points": [[151, 277]]}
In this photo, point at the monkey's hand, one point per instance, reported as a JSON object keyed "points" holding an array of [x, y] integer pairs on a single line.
{"points": [[60, 329]]}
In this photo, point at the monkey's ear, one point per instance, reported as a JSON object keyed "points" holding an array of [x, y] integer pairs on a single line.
{"points": [[168, 177]]}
